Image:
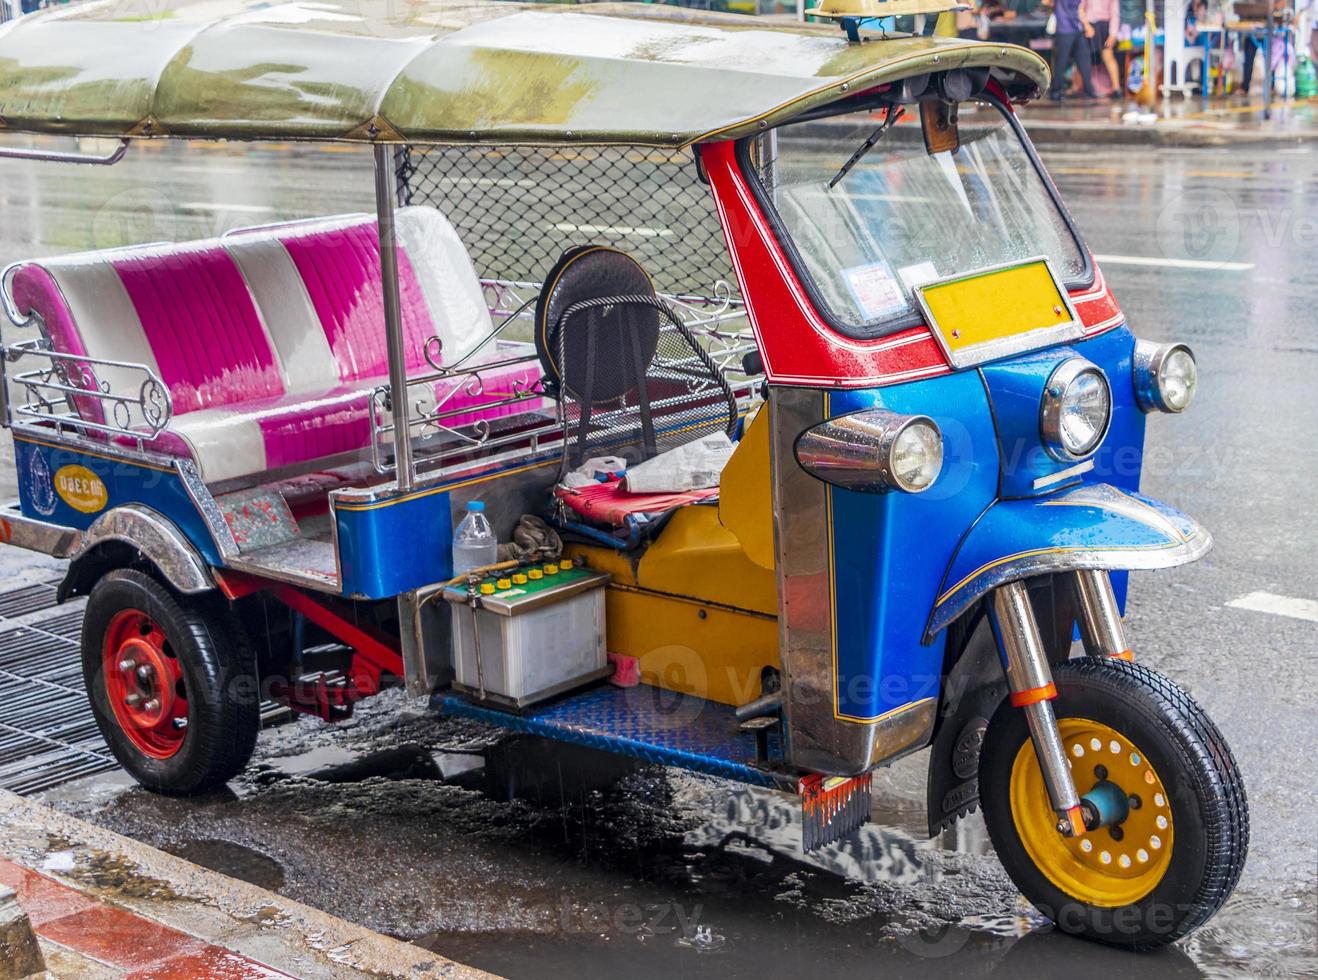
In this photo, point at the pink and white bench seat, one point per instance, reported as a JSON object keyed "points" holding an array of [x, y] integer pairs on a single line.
{"points": [[271, 340]]}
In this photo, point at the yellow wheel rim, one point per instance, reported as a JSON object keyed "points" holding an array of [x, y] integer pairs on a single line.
{"points": [[1110, 866]]}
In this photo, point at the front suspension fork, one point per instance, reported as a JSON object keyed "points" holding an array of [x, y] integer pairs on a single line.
{"points": [[1030, 679]]}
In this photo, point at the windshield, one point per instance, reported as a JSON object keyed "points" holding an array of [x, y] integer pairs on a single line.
{"points": [[902, 217]]}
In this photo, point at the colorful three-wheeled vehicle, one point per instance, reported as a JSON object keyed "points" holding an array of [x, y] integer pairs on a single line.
{"points": [[808, 424]]}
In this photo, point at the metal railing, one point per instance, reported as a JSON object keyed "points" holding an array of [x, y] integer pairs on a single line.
{"points": [[65, 391], [444, 434]]}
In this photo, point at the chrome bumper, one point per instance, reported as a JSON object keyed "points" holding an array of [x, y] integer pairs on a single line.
{"points": [[34, 535]]}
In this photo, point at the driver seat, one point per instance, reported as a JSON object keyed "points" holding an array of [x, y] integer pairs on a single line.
{"points": [[632, 382]]}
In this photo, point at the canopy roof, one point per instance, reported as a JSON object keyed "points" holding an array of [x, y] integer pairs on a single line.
{"points": [[444, 71]]}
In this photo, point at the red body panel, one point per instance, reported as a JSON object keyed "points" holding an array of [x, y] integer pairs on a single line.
{"points": [[798, 347]]}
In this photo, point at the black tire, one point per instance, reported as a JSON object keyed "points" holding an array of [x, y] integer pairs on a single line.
{"points": [[217, 675], [1204, 790]]}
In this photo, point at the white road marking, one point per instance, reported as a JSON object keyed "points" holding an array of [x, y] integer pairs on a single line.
{"points": [[1277, 605], [226, 208], [616, 230], [1166, 263]]}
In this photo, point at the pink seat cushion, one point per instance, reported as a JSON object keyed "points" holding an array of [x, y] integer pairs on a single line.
{"points": [[286, 430]]}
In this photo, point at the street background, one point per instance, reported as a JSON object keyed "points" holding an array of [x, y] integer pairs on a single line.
{"points": [[667, 874]]}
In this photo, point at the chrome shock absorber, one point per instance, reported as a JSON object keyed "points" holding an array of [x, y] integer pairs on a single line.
{"points": [[1030, 681], [1101, 629]]}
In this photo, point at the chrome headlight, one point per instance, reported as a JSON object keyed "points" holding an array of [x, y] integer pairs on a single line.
{"points": [[1076, 410], [873, 450], [1165, 376]]}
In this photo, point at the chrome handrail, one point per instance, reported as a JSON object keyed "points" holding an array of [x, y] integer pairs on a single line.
{"points": [[51, 156], [68, 377]]}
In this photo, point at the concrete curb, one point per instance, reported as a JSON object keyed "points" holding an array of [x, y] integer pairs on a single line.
{"points": [[237, 916], [20, 956], [1044, 132]]}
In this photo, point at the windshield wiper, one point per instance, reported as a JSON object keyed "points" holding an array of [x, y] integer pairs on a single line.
{"points": [[894, 113]]}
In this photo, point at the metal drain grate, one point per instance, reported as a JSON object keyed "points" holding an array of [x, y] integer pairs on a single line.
{"points": [[47, 735]]}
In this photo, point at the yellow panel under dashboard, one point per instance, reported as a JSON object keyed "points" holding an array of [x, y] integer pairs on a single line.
{"points": [[693, 608]]}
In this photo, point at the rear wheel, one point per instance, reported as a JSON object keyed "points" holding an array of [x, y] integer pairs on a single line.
{"points": [[171, 682], [1145, 756]]}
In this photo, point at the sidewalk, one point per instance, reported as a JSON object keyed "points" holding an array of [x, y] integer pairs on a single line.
{"points": [[1182, 122], [104, 907]]}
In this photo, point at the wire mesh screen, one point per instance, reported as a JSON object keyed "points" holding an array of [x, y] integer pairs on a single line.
{"points": [[518, 208]]}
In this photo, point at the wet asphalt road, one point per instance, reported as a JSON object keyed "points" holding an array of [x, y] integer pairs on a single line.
{"points": [[665, 874]]}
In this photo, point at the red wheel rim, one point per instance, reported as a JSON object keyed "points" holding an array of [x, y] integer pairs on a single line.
{"points": [[144, 683]]}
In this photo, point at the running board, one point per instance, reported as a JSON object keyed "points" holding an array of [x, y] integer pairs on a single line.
{"points": [[643, 722]]}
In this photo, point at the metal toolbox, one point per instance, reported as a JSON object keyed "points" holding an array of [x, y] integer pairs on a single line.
{"points": [[520, 640]]}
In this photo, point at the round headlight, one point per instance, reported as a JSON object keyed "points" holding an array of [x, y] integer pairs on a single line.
{"points": [[873, 451], [1165, 376], [917, 456], [1076, 410]]}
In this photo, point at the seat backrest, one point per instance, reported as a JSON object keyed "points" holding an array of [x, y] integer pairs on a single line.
{"points": [[182, 310], [260, 313], [632, 380], [330, 320]]}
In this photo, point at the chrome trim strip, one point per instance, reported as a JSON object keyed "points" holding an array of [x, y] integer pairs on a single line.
{"points": [[818, 739], [207, 508], [1029, 564], [1061, 476]]}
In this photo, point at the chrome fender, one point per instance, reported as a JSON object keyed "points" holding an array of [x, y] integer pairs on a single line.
{"points": [[156, 538], [1093, 526]]}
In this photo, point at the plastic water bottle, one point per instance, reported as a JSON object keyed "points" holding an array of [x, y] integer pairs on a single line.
{"points": [[474, 543]]}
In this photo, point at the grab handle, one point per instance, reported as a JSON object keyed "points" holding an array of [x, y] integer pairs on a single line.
{"points": [[51, 156]]}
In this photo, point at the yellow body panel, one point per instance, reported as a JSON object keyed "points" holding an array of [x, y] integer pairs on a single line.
{"points": [[694, 608], [745, 495], [988, 306]]}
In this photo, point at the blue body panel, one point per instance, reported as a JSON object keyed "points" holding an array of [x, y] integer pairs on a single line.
{"points": [[395, 545], [643, 722], [402, 542], [890, 549], [126, 482]]}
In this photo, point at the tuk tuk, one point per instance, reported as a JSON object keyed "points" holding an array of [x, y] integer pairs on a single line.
{"points": [[808, 425]]}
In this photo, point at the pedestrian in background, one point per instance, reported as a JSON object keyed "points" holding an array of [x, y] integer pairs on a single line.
{"points": [[1104, 16], [1071, 45]]}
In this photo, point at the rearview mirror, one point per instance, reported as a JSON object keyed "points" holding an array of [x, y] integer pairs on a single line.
{"points": [[938, 120]]}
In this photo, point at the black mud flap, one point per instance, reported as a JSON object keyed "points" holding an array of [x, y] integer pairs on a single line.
{"points": [[954, 757]]}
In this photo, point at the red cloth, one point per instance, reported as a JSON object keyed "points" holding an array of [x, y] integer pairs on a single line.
{"points": [[609, 503]]}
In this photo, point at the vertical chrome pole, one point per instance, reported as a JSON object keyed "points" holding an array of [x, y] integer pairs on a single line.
{"points": [[385, 191], [1031, 682], [1101, 628]]}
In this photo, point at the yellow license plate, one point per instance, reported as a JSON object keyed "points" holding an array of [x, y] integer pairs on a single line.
{"points": [[998, 312]]}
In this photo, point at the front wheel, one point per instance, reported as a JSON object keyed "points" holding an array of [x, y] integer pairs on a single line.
{"points": [[171, 681], [1176, 824]]}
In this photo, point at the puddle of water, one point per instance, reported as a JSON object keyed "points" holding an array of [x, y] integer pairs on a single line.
{"points": [[235, 860]]}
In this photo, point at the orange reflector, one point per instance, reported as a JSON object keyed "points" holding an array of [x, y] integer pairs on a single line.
{"points": [[1077, 820], [1124, 655], [1020, 699]]}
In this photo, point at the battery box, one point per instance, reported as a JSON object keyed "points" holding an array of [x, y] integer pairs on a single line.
{"points": [[529, 634]]}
